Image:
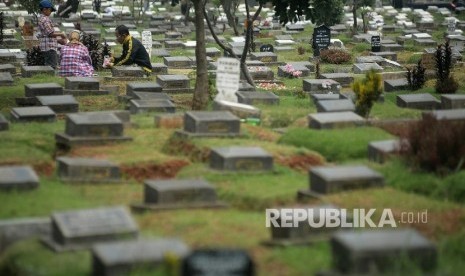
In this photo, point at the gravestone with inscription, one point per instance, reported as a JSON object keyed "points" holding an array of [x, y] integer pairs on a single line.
{"points": [[321, 86], [218, 262], [330, 120], [125, 257], [265, 57], [91, 128], [143, 106], [326, 180], [80, 229], [386, 251], [344, 79], [174, 83], [127, 72], [178, 62], [338, 105], [18, 177], [33, 114], [240, 159], [376, 43], [321, 39], [42, 89], [60, 103], [266, 48], [87, 170], [83, 86], [210, 124]]}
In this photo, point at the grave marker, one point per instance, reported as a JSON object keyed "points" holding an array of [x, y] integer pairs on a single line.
{"points": [[266, 48], [376, 43], [227, 79], [240, 159], [210, 124], [18, 177], [218, 262], [321, 39], [4, 123], [33, 114], [147, 42], [87, 170]]}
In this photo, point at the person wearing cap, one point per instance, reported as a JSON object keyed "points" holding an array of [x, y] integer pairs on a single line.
{"points": [[75, 58], [133, 51], [48, 42]]}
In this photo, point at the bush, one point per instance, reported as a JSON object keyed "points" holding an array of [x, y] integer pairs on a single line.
{"points": [[436, 145], [34, 57], [335, 56], [416, 76], [445, 82], [95, 50], [367, 91]]}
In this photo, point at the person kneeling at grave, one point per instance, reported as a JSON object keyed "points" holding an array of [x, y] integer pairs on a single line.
{"points": [[75, 58], [133, 51]]}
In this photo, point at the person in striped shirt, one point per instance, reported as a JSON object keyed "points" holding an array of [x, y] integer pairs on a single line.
{"points": [[48, 42], [75, 58]]}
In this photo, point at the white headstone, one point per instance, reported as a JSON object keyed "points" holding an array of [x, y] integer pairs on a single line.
{"points": [[147, 41], [227, 79]]}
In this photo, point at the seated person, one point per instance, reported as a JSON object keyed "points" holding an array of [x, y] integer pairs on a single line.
{"points": [[133, 51], [75, 58]]}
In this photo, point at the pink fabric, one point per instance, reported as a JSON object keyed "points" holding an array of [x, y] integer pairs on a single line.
{"points": [[75, 61]]}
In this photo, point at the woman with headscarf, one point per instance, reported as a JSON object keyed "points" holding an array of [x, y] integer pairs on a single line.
{"points": [[75, 58]]}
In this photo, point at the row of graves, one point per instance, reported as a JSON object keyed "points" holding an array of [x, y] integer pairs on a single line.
{"points": [[112, 234]]}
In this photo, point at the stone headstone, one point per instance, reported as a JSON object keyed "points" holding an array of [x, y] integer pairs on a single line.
{"points": [[344, 79], [321, 39], [14, 230], [383, 251], [142, 106], [87, 170], [240, 159], [29, 71], [42, 89], [305, 71], [253, 98], [211, 123], [339, 105], [18, 177], [266, 48], [449, 115], [418, 101], [4, 123], [33, 114], [395, 85], [80, 229], [127, 71], [376, 43], [178, 62], [159, 68], [218, 262], [261, 73], [174, 83], [82, 83], [152, 87], [120, 258], [327, 180], [10, 68], [452, 101], [324, 86], [325, 97], [362, 68], [330, 120], [379, 151], [6, 79], [242, 111], [60, 103], [265, 57]]}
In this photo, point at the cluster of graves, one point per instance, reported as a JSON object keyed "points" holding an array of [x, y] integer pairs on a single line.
{"points": [[354, 253]]}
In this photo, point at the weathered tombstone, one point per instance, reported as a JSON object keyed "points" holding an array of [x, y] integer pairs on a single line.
{"points": [[240, 159], [147, 42], [242, 111], [83, 86], [330, 120], [379, 151], [127, 72], [227, 79], [324, 97], [42, 89], [174, 83], [321, 86], [142, 106], [10, 68], [120, 258], [376, 43], [178, 62], [266, 48], [253, 98], [33, 114], [218, 262], [265, 57], [449, 115], [452, 101], [91, 128], [344, 79], [14, 230], [60, 103], [4, 123], [18, 177], [326, 180], [140, 95], [305, 71], [418, 101], [302, 232], [362, 68], [261, 73], [395, 85], [29, 71], [321, 39], [6, 79], [383, 251], [338, 105], [152, 87], [210, 124], [159, 68], [87, 170]]}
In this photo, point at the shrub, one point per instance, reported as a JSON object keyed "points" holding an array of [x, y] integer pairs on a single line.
{"points": [[95, 50], [301, 50], [367, 92], [335, 56], [445, 82], [435, 145], [34, 57], [416, 76]]}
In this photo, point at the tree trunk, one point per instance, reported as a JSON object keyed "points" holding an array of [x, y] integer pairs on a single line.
{"points": [[201, 93], [354, 13], [231, 20]]}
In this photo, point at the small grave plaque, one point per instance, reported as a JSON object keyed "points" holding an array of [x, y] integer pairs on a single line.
{"points": [[33, 114], [152, 87], [240, 159], [6, 79], [218, 262], [42, 89], [395, 85], [338, 105], [82, 83], [29, 71], [211, 123], [18, 177], [266, 48], [178, 62], [423, 101], [141, 106], [253, 98], [59, 104], [329, 120], [86, 170], [376, 43], [74, 230], [120, 258], [174, 83], [265, 57], [379, 151], [127, 71], [452, 101]]}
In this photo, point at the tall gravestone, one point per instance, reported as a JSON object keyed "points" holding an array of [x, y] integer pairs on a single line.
{"points": [[321, 39], [376, 43]]}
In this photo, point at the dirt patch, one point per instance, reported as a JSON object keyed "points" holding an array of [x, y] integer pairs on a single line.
{"points": [[186, 148], [144, 171], [301, 162], [398, 128], [261, 133]]}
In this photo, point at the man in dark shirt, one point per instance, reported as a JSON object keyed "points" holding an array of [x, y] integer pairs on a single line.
{"points": [[133, 51]]}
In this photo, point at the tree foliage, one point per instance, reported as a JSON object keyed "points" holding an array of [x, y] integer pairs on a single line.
{"points": [[291, 10], [328, 12]]}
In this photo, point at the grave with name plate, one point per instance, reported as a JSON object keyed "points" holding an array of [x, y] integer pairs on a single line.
{"points": [[29, 71], [210, 124], [8, 68], [18, 177], [261, 73], [33, 90], [238, 158], [338, 105], [178, 62], [127, 72], [395, 85], [143, 106], [423, 101], [60, 103], [362, 68], [254, 98], [218, 262], [330, 120], [174, 83], [321, 86], [327, 180], [91, 128], [126, 257], [152, 87], [380, 151], [33, 114], [177, 194], [302, 232], [382, 252], [344, 79], [80, 229], [87, 170], [4, 123], [83, 86]]}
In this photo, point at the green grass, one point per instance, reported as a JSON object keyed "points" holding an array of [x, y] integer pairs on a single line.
{"points": [[335, 144]]}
